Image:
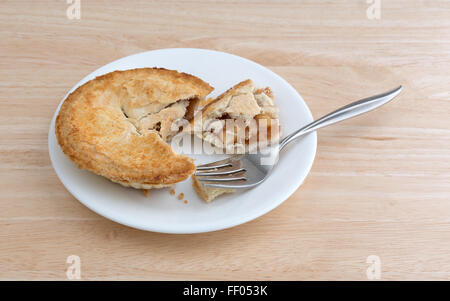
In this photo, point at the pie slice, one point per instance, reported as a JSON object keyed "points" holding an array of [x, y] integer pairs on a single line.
{"points": [[240, 120], [118, 125]]}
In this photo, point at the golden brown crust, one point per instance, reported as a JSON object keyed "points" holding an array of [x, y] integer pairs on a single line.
{"points": [[200, 191], [266, 91], [208, 193], [210, 107], [93, 130]]}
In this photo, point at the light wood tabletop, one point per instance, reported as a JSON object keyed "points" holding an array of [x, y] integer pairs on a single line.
{"points": [[376, 203]]}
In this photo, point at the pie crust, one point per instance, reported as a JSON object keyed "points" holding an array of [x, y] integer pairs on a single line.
{"points": [[208, 193], [117, 125], [250, 109]]}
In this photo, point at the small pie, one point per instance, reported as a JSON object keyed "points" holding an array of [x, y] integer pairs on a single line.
{"points": [[118, 125]]}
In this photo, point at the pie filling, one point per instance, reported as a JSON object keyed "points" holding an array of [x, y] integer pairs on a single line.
{"points": [[241, 121], [165, 120]]}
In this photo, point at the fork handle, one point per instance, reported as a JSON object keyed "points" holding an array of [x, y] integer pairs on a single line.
{"points": [[351, 110]]}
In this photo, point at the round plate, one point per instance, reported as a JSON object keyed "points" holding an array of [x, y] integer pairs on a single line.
{"points": [[163, 212]]}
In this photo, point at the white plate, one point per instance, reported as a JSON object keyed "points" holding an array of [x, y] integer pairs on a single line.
{"points": [[162, 212]]}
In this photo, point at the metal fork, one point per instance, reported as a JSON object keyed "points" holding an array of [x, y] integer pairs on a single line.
{"points": [[249, 170]]}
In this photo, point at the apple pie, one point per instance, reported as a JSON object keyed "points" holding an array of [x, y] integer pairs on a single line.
{"points": [[118, 125]]}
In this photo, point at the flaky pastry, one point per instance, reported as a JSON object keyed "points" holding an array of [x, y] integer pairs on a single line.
{"points": [[118, 125], [239, 120]]}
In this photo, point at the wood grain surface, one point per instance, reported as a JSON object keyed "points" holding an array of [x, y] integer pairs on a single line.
{"points": [[380, 184]]}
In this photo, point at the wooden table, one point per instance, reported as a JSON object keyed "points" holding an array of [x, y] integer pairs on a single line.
{"points": [[380, 184]]}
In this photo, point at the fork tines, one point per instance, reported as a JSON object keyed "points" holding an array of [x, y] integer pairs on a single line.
{"points": [[227, 170]]}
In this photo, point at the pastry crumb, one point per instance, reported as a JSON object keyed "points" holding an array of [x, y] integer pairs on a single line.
{"points": [[172, 191], [186, 201], [146, 192], [208, 193], [181, 196]]}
